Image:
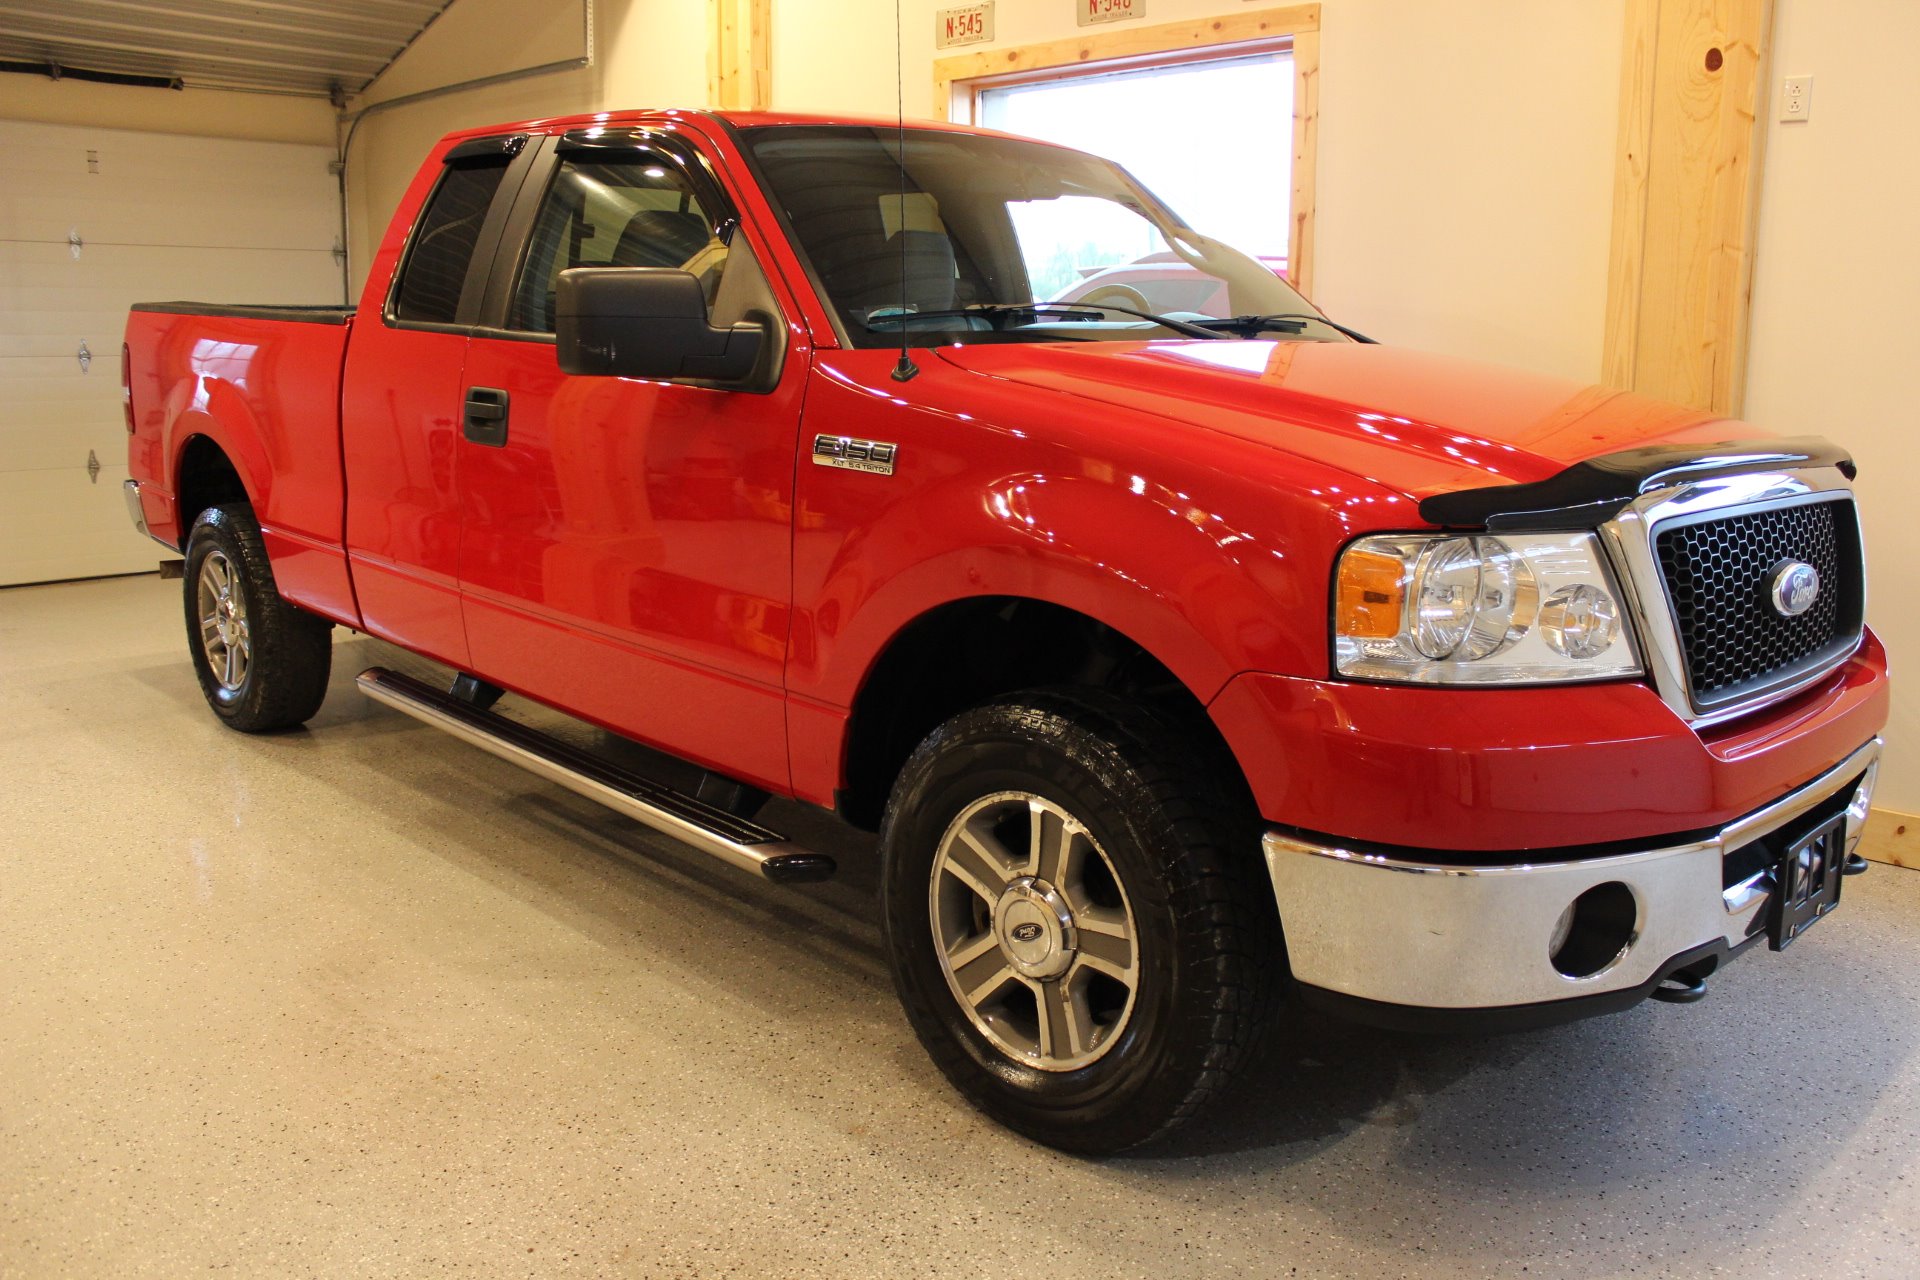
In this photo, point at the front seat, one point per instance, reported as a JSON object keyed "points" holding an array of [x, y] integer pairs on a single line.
{"points": [[928, 283], [660, 238]]}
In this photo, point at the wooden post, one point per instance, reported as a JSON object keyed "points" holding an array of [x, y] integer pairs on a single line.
{"points": [[740, 54], [1686, 190]]}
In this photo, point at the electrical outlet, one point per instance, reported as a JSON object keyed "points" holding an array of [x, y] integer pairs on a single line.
{"points": [[1796, 98]]}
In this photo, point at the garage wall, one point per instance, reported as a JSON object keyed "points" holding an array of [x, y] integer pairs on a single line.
{"points": [[219, 113], [649, 53], [1836, 279], [1466, 152]]}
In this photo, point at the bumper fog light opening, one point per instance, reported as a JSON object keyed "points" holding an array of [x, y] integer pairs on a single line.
{"points": [[1595, 930]]}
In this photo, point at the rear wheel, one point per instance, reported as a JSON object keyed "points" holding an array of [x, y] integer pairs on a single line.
{"points": [[263, 664], [1076, 916]]}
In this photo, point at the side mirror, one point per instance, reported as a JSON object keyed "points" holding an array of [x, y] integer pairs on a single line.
{"points": [[647, 322]]}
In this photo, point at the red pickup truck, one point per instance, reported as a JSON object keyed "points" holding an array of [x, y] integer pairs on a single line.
{"points": [[1181, 661]]}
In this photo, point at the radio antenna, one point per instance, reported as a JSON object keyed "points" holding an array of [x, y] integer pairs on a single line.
{"points": [[906, 369]]}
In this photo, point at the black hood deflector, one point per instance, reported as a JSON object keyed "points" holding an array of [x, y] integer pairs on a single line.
{"points": [[1592, 492]]}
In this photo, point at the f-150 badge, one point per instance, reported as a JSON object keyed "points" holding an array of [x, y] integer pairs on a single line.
{"points": [[875, 456]]}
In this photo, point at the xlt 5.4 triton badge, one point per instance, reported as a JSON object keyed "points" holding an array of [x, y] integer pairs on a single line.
{"points": [[855, 455]]}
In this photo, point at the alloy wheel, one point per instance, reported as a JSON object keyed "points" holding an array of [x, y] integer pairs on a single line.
{"points": [[1034, 931], [222, 610]]}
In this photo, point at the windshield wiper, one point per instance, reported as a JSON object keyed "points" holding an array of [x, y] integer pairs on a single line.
{"points": [[1007, 310], [1284, 322]]}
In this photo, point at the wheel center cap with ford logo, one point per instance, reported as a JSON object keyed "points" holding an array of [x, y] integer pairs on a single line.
{"points": [[1794, 586], [1034, 926]]}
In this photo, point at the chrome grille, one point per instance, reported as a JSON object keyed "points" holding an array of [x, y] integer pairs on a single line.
{"points": [[1719, 574]]}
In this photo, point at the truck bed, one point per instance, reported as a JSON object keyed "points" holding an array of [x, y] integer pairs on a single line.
{"points": [[261, 385]]}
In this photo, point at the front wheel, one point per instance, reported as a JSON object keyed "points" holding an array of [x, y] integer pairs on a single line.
{"points": [[263, 663], [1076, 916]]}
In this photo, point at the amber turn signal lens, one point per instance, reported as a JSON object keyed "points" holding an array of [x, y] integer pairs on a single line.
{"points": [[1370, 596]]}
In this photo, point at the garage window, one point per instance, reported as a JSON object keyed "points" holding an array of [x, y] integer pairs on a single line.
{"points": [[1204, 171], [1218, 116]]}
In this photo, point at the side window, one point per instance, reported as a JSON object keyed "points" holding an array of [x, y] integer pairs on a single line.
{"points": [[638, 211], [435, 267]]}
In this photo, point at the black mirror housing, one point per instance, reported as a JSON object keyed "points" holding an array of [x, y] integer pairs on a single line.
{"points": [[647, 322]]}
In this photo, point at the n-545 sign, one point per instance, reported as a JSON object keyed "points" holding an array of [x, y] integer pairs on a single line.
{"points": [[969, 24]]}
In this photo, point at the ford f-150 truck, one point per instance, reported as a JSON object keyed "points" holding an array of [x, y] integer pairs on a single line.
{"points": [[1181, 661]]}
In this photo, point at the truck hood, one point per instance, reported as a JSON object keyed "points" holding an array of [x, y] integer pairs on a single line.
{"points": [[1413, 421]]}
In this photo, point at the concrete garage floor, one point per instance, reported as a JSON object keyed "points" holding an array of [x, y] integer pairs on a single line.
{"points": [[364, 1001]]}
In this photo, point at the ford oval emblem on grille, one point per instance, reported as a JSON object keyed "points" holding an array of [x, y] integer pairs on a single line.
{"points": [[1795, 586]]}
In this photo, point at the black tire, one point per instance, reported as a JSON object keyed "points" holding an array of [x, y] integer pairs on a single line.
{"points": [[278, 677], [1169, 818]]}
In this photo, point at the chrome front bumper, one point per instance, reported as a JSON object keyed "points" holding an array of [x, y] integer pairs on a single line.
{"points": [[1429, 936]]}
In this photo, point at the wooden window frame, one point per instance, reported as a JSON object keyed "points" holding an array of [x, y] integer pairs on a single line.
{"points": [[957, 82]]}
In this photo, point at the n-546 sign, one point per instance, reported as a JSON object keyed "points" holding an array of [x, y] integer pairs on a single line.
{"points": [[1091, 11]]}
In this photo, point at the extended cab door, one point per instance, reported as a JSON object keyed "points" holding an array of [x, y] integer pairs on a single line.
{"points": [[400, 390], [625, 544]]}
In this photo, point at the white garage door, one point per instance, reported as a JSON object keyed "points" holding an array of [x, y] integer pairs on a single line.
{"points": [[158, 218]]}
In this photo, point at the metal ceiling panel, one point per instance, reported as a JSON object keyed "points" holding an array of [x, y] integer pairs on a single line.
{"points": [[293, 46]]}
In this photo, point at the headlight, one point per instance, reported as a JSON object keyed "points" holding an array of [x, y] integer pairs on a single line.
{"points": [[1474, 609]]}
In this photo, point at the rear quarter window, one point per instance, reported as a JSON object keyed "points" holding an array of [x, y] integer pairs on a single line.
{"points": [[434, 271]]}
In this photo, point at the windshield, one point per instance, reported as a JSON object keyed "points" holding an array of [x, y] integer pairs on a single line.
{"points": [[992, 227]]}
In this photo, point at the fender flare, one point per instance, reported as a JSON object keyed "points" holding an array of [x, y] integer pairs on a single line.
{"points": [[1189, 596], [218, 412]]}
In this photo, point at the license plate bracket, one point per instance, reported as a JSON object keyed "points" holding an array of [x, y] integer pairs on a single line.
{"points": [[1806, 880]]}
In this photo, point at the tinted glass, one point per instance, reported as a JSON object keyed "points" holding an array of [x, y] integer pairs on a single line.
{"points": [[637, 211], [436, 264], [989, 222]]}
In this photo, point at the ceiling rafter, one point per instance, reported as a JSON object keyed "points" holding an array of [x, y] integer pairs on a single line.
{"points": [[290, 46]]}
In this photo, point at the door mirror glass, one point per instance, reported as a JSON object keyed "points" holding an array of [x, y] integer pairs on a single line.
{"points": [[647, 322]]}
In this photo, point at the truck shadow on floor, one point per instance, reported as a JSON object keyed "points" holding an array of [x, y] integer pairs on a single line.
{"points": [[1731, 1108], [1633, 1100]]}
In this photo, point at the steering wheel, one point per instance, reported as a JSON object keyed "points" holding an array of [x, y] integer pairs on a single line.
{"points": [[1117, 295]]}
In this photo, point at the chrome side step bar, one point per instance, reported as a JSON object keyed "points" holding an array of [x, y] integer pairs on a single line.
{"points": [[736, 841]]}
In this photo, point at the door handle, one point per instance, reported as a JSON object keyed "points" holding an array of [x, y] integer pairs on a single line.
{"points": [[486, 416]]}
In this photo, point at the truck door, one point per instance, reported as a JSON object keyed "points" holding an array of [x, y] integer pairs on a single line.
{"points": [[399, 413], [626, 545]]}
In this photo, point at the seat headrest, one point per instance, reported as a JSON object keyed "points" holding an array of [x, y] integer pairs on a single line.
{"points": [[927, 260], [660, 238]]}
